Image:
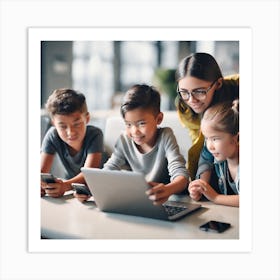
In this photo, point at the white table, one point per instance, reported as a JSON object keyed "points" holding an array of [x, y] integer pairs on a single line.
{"points": [[66, 217]]}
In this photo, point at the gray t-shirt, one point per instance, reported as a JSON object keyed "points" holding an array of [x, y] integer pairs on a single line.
{"points": [[162, 164], [93, 143]]}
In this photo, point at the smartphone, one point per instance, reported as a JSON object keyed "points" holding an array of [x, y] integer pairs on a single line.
{"points": [[215, 226], [81, 189], [47, 178]]}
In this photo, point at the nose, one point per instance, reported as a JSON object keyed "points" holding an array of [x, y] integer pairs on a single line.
{"points": [[210, 146], [134, 129], [69, 131], [192, 99]]}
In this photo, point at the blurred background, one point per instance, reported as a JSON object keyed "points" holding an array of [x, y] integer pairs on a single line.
{"points": [[104, 70]]}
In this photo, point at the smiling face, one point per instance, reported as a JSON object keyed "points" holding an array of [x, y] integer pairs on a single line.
{"points": [[221, 145], [71, 128], [141, 127], [191, 84]]}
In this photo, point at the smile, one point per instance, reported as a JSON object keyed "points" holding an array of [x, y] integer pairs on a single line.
{"points": [[138, 138]]}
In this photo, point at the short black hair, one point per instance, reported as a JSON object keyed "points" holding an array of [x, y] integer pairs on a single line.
{"points": [[141, 96]]}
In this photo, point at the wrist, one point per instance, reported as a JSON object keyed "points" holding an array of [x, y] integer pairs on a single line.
{"points": [[67, 186]]}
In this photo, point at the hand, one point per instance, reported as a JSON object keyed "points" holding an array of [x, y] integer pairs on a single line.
{"points": [[159, 193], [81, 197], [42, 192], [200, 186], [56, 189], [195, 190]]}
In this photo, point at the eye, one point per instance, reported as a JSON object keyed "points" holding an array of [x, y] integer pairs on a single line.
{"points": [[62, 126], [77, 124], [216, 139], [184, 92], [141, 124], [128, 125], [199, 92]]}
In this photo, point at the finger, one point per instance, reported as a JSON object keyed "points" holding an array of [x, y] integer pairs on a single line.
{"points": [[152, 184], [154, 191], [159, 202]]}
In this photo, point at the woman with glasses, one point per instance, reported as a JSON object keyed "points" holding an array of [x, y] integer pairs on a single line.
{"points": [[201, 85]]}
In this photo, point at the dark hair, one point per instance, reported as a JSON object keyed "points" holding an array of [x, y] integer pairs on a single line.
{"points": [[141, 96], [199, 65], [224, 116], [65, 101], [202, 66]]}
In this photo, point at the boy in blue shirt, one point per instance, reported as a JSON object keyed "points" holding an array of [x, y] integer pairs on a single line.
{"points": [[76, 143]]}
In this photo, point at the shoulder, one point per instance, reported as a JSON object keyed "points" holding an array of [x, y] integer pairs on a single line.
{"points": [[94, 129], [93, 132], [165, 132], [229, 91], [51, 133], [165, 135], [124, 139], [234, 78], [231, 80]]}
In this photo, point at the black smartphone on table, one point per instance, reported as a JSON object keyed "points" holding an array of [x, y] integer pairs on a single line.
{"points": [[215, 226]]}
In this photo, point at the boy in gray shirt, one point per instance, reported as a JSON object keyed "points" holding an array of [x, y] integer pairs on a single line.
{"points": [[144, 147], [76, 143]]}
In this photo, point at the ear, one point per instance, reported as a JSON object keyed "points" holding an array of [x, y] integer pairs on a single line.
{"points": [[236, 138], [219, 83], [87, 117], [159, 118]]}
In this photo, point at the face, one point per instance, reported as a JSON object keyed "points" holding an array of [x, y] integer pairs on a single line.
{"points": [[191, 84], [141, 127], [71, 128], [221, 145]]}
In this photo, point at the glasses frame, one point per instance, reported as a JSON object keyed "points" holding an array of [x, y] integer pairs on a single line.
{"points": [[192, 92]]}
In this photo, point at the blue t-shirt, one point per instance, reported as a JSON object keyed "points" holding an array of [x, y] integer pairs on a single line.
{"points": [[93, 143]]}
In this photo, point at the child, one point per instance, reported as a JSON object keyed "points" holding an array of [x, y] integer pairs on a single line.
{"points": [[144, 147], [220, 127], [76, 143]]}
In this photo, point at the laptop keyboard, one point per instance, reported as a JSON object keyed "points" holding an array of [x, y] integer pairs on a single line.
{"points": [[173, 210]]}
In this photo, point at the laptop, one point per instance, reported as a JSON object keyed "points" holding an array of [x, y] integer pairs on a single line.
{"points": [[123, 192]]}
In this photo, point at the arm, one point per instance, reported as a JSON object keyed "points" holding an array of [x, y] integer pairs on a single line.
{"points": [[159, 192], [117, 161], [59, 188], [205, 165], [205, 176], [46, 163], [202, 187], [92, 160], [52, 189]]}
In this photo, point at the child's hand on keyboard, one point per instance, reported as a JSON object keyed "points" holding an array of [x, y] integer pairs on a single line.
{"points": [[159, 193]]}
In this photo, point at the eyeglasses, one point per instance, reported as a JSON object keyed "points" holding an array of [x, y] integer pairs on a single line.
{"points": [[198, 94]]}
